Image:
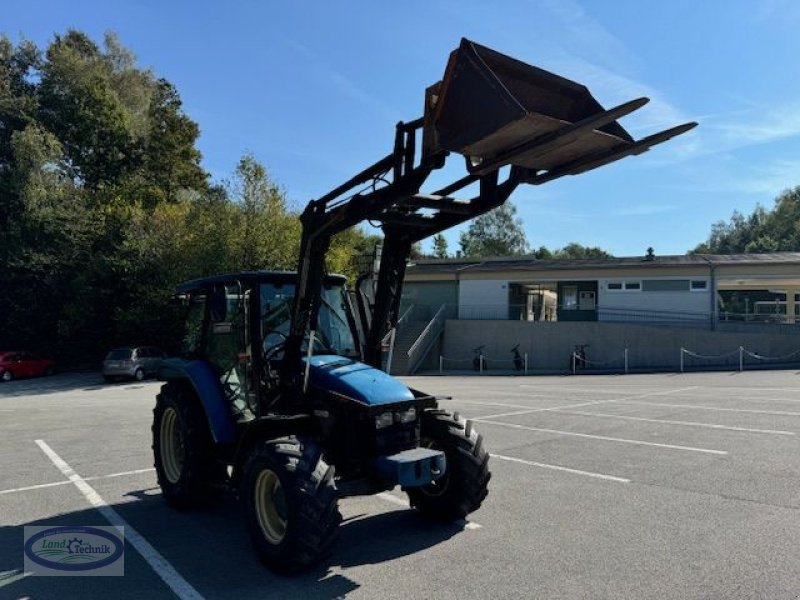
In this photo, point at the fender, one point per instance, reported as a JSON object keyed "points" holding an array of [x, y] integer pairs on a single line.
{"points": [[206, 384]]}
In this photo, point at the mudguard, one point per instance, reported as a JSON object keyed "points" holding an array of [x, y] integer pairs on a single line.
{"points": [[207, 386]]}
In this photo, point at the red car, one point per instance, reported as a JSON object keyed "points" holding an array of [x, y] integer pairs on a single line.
{"points": [[18, 363]]}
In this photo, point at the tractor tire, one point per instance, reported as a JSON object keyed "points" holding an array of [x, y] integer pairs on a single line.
{"points": [[187, 471], [291, 504], [464, 486]]}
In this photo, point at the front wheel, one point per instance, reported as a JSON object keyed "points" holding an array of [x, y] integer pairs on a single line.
{"points": [[464, 486], [291, 503], [7, 376], [139, 375]]}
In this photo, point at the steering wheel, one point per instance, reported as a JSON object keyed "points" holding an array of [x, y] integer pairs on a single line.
{"points": [[272, 347]]}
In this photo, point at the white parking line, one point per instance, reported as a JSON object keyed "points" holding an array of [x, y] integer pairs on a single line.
{"points": [[34, 487], [529, 410], [560, 468], [669, 422], [158, 563], [706, 407], [549, 408], [120, 474], [603, 437], [57, 483], [9, 577], [389, 497]]}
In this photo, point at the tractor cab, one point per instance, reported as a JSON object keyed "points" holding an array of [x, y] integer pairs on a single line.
{"points": [[238, 324]]}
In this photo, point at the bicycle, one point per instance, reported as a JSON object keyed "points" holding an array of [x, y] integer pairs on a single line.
{"points": [[478, 359], [577, 359], [517, 358]]}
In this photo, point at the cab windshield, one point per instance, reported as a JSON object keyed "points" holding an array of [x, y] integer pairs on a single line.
{"points": [[333, 334]]}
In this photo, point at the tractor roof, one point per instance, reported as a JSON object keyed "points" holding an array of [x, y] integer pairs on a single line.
{"points": [[251, 277]]}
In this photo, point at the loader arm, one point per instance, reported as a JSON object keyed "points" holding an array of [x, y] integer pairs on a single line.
{"points": [[496, 112]]}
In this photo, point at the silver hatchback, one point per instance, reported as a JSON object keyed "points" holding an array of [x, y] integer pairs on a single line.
{"points": [[132, 363]]}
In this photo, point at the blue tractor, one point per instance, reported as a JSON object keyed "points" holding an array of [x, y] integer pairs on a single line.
{"points": [[279, 394]]}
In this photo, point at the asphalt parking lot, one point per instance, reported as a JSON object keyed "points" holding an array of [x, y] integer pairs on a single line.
{"points": [[637, 486]]}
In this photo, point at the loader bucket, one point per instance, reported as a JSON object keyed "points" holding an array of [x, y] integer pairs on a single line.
{"points": [[497, 110]]}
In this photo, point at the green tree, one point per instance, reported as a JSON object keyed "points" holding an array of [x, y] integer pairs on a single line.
{"points": [[575, 250], [79, 104], [440, 246], [496, 233], [171, 160], [776, 230], [268, 236]]}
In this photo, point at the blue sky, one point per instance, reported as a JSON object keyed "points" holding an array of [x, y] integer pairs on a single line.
{"points": [[313, 90]]}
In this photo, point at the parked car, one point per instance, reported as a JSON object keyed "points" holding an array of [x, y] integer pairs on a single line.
{"points": [[18, 363], [135, 362]]}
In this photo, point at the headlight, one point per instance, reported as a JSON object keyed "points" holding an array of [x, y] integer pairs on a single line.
{"points": [[384, 420], [406, 416]]}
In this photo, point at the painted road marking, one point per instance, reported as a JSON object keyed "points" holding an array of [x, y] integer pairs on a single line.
{"points": [[57, 483], [560, 468], [604, 438], [706, 407], [686, 423], [9, 577], [158, 563], [529, 410], [389, 497]]}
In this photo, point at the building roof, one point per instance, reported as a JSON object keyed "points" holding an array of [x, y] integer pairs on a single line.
{"points": [[529, 263]]}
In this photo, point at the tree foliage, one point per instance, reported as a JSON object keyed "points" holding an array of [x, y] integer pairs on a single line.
{"points": [[776, 230], [573, 250], [496, 233], [440, 246], [104, 206]]}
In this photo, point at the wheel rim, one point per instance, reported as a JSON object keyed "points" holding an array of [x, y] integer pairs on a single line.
{"points": [[171, 446], [270, 506], [139, 375], [7, 376]]}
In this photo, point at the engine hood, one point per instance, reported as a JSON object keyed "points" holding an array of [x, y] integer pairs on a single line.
{"points": [[356, 380]]}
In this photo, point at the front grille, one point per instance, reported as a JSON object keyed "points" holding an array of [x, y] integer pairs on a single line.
{"points": [[396, 438]]}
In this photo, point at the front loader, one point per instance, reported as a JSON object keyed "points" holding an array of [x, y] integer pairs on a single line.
{"points": [[279, 393]]}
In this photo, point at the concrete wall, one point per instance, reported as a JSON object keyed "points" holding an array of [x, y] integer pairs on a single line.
{"points": [[485, 297], [549, 345]]}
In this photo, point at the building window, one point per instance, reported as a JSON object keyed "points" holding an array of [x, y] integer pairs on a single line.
{"points": [[570, 297], [699, 285], [665, 285], [624, 286]]}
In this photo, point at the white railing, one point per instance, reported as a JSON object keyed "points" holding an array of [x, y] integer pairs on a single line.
{"points": [[390, 336], [741, 352], [420, 347]]}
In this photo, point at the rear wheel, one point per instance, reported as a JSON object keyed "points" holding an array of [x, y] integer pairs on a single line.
{"points": [[48, 371], [185, 465], [464, 486], [291, 503]]}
